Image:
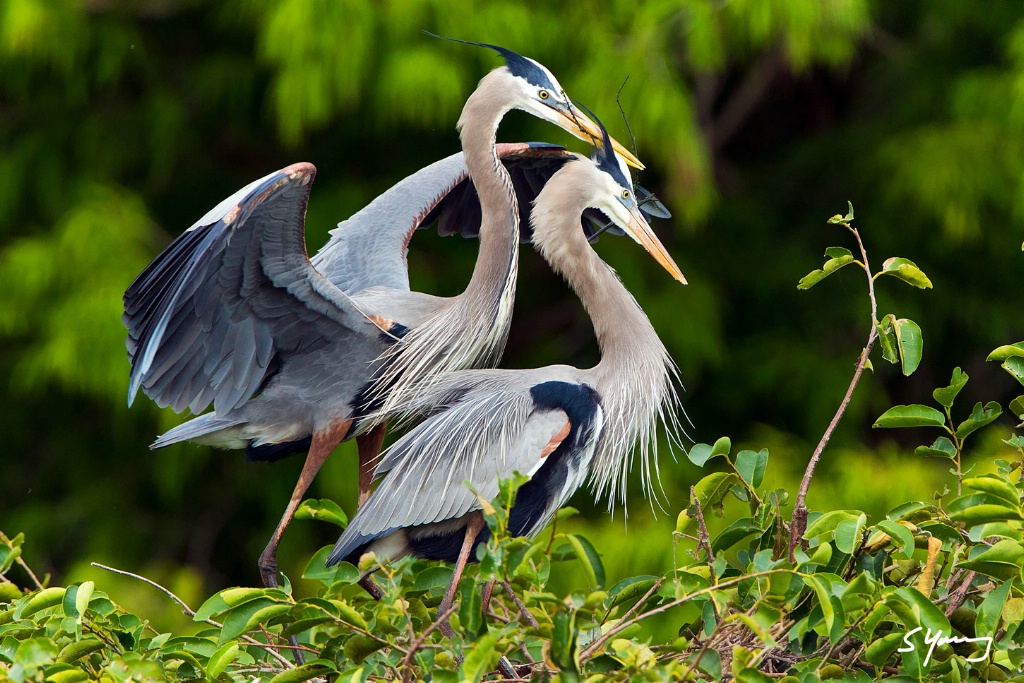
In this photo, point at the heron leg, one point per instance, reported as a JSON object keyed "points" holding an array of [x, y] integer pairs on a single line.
{"points": [[473, 527], [370, 586], [369, 448], [322, 445]]}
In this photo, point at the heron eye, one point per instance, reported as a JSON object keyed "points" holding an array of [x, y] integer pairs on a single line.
{"points": [[625, 194], [544, 94]]}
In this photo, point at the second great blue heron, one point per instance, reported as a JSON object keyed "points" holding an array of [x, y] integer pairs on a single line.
{"points": [[234, 314], [558, 425]]}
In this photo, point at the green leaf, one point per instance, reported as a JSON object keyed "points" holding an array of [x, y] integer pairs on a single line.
{"points": [[942, 448], [837, 219], [824, 598], [323, 509], [248, 615], [978, 419], [221, 658], [900, 535], [1000, 488], [700, 453], [432, 578], [629, 589], [911, 344], [590, 559], [1017, 406], [75, 650], [1002, 560], [8, 556], [481, 658], [844, 258], [30, 604], [880, 650], [751, 466], [471, 610], [317, 569], [915, 415], [1015, 366], [990, 608], [849, 534], [985, 513], [1008, 351], [563, 643], [303, 673], [946, 395], [887, 338], [733, 534], [928, 615], [906, 270], [827, 522], [359, 647], [712, 488]]}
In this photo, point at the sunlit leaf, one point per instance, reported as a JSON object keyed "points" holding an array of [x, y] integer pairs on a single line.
{"points": [[910, 416], [1007, 351], [751, 466], [946, 395], [1002, 560], [906, 270], [843, 258], [910, 344], [941, 448], [978, 419], [324, 510], [901, 536]]}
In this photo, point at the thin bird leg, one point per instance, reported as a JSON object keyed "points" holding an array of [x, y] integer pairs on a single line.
{"points": [[369, 448], [475, 524], [370, 586], [322, 445], [488, 590]]}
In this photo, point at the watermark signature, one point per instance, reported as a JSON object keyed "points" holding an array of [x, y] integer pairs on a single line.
{"points": [[938, 639]]}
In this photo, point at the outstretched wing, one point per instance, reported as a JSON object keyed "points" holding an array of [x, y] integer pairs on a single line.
{"points": [[369, 249], [209, 317], [484, 435]]}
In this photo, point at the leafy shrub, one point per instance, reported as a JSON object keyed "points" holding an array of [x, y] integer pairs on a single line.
{"points": [[933, 591]]}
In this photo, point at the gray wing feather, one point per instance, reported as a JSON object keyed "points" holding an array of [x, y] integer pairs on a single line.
{"points": [[485, 436], [369, 249], [206, 318]]}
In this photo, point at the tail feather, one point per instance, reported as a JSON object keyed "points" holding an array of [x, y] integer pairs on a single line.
{"points": [[199, 427]]}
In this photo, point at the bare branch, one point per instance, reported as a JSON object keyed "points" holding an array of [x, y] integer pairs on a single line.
{"points": [[799, 523]]}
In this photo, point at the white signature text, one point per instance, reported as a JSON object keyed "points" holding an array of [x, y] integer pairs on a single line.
{"points": [[937, 639]]}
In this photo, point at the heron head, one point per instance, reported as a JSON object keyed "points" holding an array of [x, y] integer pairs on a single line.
{"points": [[613, 194], [536, 91]]}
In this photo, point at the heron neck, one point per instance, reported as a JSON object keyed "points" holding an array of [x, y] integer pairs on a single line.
{"points": [[494, 274], [625, 336]]}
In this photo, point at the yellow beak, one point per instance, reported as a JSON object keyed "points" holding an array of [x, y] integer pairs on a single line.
{"points": [[580, 125], [641, 231]]}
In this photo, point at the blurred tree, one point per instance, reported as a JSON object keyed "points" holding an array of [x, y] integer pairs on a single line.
{"points": [[122, 122]]}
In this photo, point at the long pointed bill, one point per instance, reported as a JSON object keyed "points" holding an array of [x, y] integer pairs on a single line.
{"points": [[640, 231], [580, 125]]}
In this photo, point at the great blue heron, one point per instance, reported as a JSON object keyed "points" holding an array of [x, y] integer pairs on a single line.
{"points": [[558, 425], [234, 314]]}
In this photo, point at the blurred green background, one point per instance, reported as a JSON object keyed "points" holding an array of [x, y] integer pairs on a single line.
{"points": [[123, 122]]}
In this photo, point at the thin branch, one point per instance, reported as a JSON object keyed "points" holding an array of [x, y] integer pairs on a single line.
{"points": [[31, 574], [957, 597], [799, 523], [406, 665], [586, 654], [704, 539], [189, 612], [530, 619]]}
